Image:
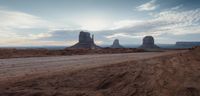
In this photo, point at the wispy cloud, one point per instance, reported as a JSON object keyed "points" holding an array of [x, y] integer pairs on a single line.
{"points": [[13, 21], [19, 28], [120, 35], [171, 21], [149, 6]]}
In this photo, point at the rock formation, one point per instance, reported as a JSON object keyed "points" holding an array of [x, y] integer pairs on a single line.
{"points": [[148, 43], [116, 44], [85, 41], [187, 44]]}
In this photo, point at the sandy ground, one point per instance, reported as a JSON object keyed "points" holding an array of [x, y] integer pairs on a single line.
{"points": [[171, 73], [18, 67]]}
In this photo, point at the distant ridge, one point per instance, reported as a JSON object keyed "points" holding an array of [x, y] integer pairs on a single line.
{"points": [[186, 44]]}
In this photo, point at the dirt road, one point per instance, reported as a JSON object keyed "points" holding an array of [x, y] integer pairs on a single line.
{"points": [[17, 67]]}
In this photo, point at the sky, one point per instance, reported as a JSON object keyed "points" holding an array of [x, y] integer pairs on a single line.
{"points": [[58, 22]]}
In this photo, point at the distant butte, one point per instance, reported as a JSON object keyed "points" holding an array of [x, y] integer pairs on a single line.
{"points": [[85, 41], [148, 43], [116, 44]]}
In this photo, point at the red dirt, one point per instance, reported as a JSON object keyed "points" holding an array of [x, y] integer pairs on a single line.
{"points": [[21, 53], [171, 75]]}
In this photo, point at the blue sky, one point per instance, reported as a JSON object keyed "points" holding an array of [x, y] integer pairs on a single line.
{"points": [[58, 22]]}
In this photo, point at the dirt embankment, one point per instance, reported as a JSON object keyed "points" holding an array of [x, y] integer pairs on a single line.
{"points": [[21, 53], [172, 75]]}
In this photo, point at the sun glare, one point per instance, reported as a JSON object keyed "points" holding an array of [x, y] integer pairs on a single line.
{"points": [[94, 24]]}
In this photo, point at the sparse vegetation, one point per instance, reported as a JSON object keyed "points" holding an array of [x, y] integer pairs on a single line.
{"points": [[19, 53]]}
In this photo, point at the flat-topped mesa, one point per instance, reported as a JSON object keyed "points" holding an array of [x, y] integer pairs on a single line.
{"points": [[148, 43], [116, 44], [85, 41]]}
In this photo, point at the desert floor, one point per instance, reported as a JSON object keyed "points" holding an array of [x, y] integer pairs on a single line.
{"points": [[170, 73], [18, 67]]}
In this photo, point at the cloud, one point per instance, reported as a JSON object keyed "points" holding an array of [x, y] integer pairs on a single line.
{"points": [[125, 24], [176, 7], [119, 35], [29, 42], [149, 6], [19, 28], [14, 21], [40, 35], [171, 21], [179, 22]]}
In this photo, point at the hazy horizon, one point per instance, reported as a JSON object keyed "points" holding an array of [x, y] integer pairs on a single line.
{"points": [[58, 22]]}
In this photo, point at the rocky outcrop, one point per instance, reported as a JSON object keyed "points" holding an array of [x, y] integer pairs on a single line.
{"points": [[85, 41], [116, 44], [148, 43], [187, 44]]}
